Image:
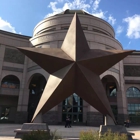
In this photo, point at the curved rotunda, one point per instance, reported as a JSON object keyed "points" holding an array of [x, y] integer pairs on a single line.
{"points": [[23, 81]]}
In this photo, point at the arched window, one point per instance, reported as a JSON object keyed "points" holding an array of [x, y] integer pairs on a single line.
{"points": [[36, 87], [110, 85], [10, 81], [113, 92], [73, 107], [133, 92]]}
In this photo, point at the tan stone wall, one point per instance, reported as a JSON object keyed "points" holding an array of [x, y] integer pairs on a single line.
{"points": [[101, 38], [10, 41], [59, 20]]}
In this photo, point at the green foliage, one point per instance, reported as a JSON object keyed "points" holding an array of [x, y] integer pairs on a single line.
{"points": [[113, 136], [41, 135], [89, 135], [94, 135]]}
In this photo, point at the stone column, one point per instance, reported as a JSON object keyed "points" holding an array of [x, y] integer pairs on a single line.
{"points": [[22, 108], [60, 113], [2, 52], [85, 110], [121, 98]]}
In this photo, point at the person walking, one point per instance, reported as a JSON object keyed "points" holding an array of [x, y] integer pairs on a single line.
{"points": [[128, 123], [67, 122]]}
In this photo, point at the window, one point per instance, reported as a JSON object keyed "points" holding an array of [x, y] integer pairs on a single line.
{"points": [[47, 30], [65, 28], [5, 113], [113, 92], [10, 81], [133, 92], [73, 107], [114, 110], [98, 31], [134, 112], [85, 28]]}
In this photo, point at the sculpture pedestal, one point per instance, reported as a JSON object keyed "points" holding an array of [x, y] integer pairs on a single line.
{"points": [[110, 125], [115, 129], [108, 120], [29, 127]]}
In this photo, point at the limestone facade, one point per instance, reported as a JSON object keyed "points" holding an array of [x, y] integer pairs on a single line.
{"points": [[19, 75]]}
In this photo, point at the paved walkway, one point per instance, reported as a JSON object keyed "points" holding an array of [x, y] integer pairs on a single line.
{"points": [[7, 131]]}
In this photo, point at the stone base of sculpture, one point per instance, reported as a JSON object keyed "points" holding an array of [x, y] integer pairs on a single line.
{"points": [[110, 125], [29, 127], [115, 129]]}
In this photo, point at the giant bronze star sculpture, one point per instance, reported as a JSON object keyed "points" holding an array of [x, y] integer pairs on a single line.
{"points": [[74, 68]]}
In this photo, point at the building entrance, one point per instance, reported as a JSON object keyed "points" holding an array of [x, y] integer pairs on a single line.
{"points": [[73, 108], [36, 88]]}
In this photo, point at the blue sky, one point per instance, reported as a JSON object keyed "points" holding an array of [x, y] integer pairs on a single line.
{"points": [[21, 16]]}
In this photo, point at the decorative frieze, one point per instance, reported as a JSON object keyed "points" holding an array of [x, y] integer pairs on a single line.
{"points": [[131, 70], [14, 56]]}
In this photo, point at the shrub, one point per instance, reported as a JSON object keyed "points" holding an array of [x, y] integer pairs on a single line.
{"points": [[89, 135], [113, 136], [41, 135], [94, 135], [54, 135]]}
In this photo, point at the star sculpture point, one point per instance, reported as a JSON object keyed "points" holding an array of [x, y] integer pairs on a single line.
{"points": [[74, 68]]}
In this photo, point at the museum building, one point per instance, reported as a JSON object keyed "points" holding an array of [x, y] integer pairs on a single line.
{"points": [[23, 81]]}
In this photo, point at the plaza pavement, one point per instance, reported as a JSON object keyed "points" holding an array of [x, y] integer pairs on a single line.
{"points": [[7, 131]]}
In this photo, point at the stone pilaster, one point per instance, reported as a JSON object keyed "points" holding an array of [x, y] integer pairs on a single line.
{"points": [[60, 113], [2, 52], [121, 97], [23, 98], [86, 108]]}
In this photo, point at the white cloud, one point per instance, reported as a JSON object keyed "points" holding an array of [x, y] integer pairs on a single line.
{"points": [[60, 0], [99, 14], [91, 1], [75, 4], [119, 29], [52, 5], [133, 30], [6, 26], [86, 5], [112, 20], [96, 4]]}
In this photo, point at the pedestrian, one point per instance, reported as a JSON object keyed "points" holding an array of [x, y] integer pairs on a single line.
{"points": [[67, 122], [127, 123]]}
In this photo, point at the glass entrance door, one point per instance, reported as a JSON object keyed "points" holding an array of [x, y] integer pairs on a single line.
{"points": [[73, 108]]}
